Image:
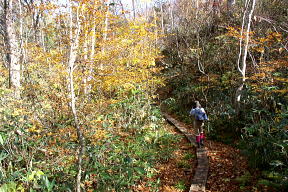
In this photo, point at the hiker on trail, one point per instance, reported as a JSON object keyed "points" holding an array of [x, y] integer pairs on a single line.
{"points": [[199, 116]]}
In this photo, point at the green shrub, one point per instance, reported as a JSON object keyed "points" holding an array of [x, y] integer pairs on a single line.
{"points": [[180, 185]]}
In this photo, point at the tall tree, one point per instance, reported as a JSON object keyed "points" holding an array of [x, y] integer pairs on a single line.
{"points": [[12, 47], [242, 65], [74, 40], [134, 11]]}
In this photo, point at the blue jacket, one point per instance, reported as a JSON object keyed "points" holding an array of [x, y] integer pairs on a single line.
{"points": [[199, 114]]}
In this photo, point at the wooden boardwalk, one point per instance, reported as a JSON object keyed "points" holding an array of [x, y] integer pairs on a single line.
{"points": [[201, 172]]}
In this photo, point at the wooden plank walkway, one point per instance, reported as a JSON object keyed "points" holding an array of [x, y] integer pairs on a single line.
{"points": [[201, 172]]}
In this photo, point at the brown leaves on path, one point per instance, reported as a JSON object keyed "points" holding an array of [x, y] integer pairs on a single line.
{"points": [[176, 173], [225, 165]]}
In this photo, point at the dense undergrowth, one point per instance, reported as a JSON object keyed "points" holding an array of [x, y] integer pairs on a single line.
{"points": [[87, 83], [260, 130], [205, 69], [115, 77], [123, 144]]}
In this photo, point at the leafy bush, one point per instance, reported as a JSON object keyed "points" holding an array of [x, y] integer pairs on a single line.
{"points": [[123, 145], [120, 164]]}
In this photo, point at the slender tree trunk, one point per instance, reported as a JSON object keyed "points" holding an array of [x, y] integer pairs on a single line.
{"points": [[42, 34], [197, 9], [247, 38], [93, 40], [85, 57], [92, 54], [241, 36], [106, 23], [105, 31], [242, 68], [12, 47], [21, 35], [89, 43], [134, 11], [36, 19], [200, 66], [171, 14], [72, 58], [162, 19], [156, 28]]}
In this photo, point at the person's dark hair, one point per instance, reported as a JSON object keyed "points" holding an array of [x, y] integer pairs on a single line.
{"points": [[197, 104]]}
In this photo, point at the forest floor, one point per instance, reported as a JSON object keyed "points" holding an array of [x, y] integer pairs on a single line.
{"points": [[225, 165], [175, 174], [228, 169]]}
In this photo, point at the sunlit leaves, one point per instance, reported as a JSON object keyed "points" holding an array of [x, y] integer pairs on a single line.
{"points": [[115, 59], [258, 44]]}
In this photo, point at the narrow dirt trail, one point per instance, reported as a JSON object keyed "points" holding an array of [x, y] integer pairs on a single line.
{"points": [[199, 180], [223, 168], [176, 174]]}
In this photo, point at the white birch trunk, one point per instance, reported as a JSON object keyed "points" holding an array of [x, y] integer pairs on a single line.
{"points": [[12, 53], [171, 14], [93, 41], [162, 19], [42, 33], [242, 68], [22, 49], [106, 23], [247, 38], [87, 86], [72, 58], [134, 11], [85, 57], [105, 31]]}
